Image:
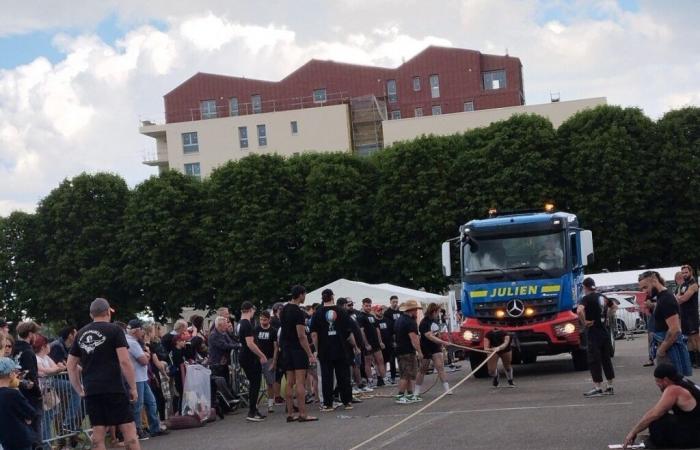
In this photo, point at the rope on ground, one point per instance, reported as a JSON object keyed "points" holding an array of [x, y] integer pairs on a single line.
{"points": [[406, 419]]}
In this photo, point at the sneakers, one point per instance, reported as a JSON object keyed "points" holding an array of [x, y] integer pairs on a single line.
{"points": [[325, 408], [511, 384], [495, 381], [160, 433], [348, 406], [380, 382], [270, 409], [595, 392], [143, 435], [402, 400], [366, 388], [414, 398], [257, 417], [356, 400], [355, 390], [609, 391], [279, 401]]}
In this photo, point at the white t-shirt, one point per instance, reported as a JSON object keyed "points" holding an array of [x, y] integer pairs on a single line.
{"points": [[135, 351], [44, 362]]}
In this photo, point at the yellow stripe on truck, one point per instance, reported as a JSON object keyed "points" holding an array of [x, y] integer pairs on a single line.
{"points": [[551, 288], [478, 294]]}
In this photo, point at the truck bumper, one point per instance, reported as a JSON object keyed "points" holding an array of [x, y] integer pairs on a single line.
{"points": [[562, 334]]}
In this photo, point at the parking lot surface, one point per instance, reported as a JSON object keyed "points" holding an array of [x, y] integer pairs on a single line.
{"points": [[546, 411]]}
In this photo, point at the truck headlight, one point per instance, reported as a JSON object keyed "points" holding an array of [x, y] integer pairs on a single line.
{"points": [[564, 329], [472, 335]]}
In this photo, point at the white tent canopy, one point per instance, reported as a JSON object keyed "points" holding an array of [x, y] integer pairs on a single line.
{"points": [[379, 293], [629, 278]]}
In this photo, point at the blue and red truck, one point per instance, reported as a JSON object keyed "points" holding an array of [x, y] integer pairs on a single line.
{"points": [[522, 272]]}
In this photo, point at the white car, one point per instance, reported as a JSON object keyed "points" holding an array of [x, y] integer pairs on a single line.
{"points": [[627, 318]]}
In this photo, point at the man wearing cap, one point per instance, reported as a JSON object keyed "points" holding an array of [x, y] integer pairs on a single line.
{"points": [[16, 412], [407, 346], [593, 310], [140, 358], [102, 351], [679, 429], [5, 326]]}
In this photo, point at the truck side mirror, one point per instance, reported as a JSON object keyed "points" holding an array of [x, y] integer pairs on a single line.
{"points": [[446, 260], [586, 243]]}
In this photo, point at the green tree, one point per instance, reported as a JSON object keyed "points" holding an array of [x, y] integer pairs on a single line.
{"points": [[161, 246], [250, 228], [336, 219], [606, 164], [18, 253], [679, 148], [78, 225]]}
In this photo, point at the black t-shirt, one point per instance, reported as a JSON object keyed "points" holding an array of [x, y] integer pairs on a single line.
{"points": [[332, 325], [403, 327], [666, 306], [427, 346], [386, 328], [245, 329], [390, 316], [689, 308], [369, 324], [497, 337], [275, 322], [266, 338], [96, 345], [14, 431], [291, 316], [594, 306]]}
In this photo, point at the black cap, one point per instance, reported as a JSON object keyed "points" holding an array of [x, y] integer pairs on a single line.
{"points": [[665, 370], [134, 324], [589, 283]]}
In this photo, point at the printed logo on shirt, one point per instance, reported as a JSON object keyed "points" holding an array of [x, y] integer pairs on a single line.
{"points": [[382, 325], [330, 318], [371, 319], [396, 316], [264, 335], [90, 340]]}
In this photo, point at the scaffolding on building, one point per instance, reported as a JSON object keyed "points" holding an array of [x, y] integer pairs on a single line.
{"points": [[366, 116]]}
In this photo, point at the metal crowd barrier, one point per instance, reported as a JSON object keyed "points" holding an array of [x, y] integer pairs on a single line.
{"points": [[64, 418]]}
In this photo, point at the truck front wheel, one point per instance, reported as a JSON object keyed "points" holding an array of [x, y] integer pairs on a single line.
{"points": [[474, 360], [580, 359]]}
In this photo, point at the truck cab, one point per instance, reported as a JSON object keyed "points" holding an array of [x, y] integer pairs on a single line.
{"points": [[522, 272]]}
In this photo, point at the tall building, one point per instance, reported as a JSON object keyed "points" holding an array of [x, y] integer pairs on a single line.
{"points": [[326, 106]]}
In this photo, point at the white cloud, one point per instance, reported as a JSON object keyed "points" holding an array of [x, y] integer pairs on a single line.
{"points": [[80, 113]]}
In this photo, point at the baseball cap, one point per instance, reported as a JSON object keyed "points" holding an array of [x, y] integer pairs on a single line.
{"points": [[589, 283], [4, 323], [134, 324], [7, 366], [100, 306]]}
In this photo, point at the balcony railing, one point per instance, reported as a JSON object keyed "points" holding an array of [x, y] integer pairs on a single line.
{"points": [[265, 106]]}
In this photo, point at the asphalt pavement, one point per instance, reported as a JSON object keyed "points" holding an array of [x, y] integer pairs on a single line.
{"points": [[546, 410]]}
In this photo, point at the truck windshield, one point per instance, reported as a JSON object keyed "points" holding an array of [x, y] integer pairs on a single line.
{"points": [[542, 251]]}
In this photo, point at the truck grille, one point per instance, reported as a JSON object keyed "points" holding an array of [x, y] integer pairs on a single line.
{"points": [[545, 309]]}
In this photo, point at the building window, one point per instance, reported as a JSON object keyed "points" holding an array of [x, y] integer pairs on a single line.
{"points": [[434, 86], [193, 170], [294, 126], [391, 91], [418, 112], [262, 136], [190, 142], [320, 96], [416, 83], [494, 80], [437, 110], [396, 114], [243, 137], [233, 106], [469, 106], [208, 109], [256, 101]]}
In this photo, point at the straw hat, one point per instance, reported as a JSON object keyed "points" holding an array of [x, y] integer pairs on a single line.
{"points": [[409, 305]]}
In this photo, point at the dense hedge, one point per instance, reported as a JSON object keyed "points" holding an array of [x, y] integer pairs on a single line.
{"points": [[261, 224]]}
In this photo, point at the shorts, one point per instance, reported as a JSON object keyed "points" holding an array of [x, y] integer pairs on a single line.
{"points": [[689, 324], [356, 360], [408, 366], [109, 409], [429, 352], [268, 373], [295, 359], [375, 349]]}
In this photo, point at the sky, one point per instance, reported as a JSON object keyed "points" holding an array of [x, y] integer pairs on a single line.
{"points": [[77, 76]]}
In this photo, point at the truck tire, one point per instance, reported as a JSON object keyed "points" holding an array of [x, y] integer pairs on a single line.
{"points": [[580, 359], [474, 360]]}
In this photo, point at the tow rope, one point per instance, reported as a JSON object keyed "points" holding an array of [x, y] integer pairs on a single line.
{"points": [[437, 399]]}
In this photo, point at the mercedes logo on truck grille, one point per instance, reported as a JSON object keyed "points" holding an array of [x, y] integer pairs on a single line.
{"points": [[515, 308]]}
